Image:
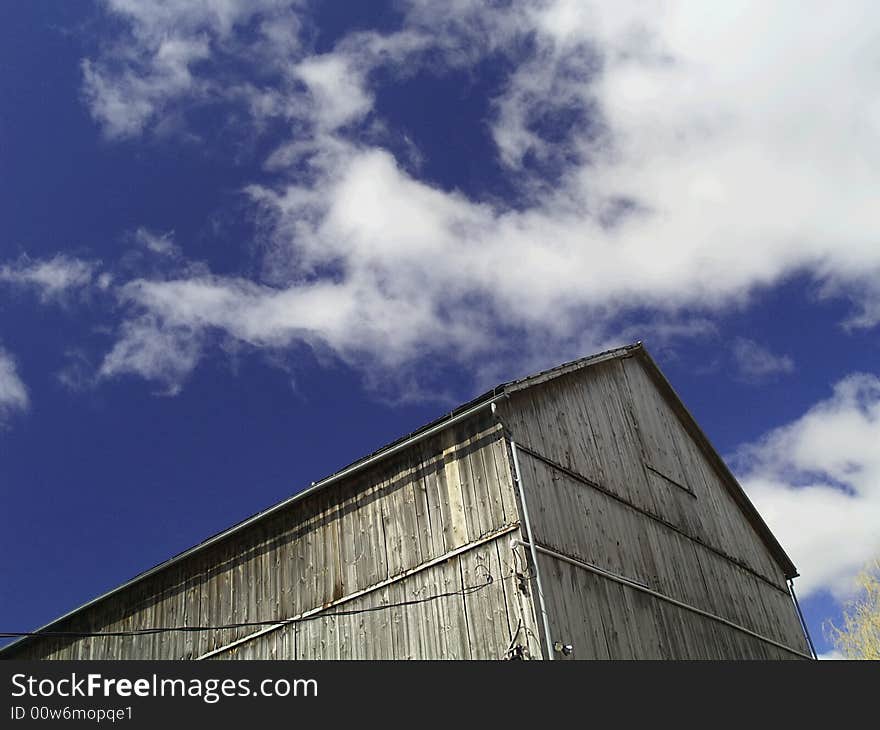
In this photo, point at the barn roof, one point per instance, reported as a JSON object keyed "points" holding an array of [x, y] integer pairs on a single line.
{"points": [[461, 413]]}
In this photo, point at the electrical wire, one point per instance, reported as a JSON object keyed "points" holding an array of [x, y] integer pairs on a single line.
{"points": [[244, 624], [526, 572], [508, 652]]}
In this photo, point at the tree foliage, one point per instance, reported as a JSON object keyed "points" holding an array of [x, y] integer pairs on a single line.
{"points": [[859, 636]]}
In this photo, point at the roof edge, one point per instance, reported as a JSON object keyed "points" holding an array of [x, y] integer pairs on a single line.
{"points": [[571, 367], [734, 487]]}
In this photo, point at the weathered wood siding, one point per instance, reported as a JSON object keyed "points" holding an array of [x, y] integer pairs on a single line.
{"points": [[602, 619], [477, 625], [623, 486], [379, 537], [666, 564]]}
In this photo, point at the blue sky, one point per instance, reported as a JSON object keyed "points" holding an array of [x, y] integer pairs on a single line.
{"points": [[245, 243]]}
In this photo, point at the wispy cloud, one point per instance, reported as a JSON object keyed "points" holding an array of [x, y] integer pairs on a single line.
{"points": [[78, 373], [51, 278], [754, 362], [817, 479], [157, 243], [143, 74], [13, 393], [154, 351]]}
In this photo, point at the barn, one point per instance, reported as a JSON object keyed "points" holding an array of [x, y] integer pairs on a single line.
{"points": [[579, 513]]}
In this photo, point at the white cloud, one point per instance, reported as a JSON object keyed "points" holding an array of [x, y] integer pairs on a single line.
{"points": [[816, 481], [159, 243], [153, 351], [13, 393], [695, 153], [124, 103], [138, 78], [756, 362], [337, 90], [78, 373], [342, 315], [52, 277]]}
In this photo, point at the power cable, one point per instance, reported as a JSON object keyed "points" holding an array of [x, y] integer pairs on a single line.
{"points": [[244, 624]]}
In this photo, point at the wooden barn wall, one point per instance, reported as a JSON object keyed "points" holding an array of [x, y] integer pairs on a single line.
{"points": [[479, 621], [637, 497], [600, 616], [603, 619], [384, 523]]}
